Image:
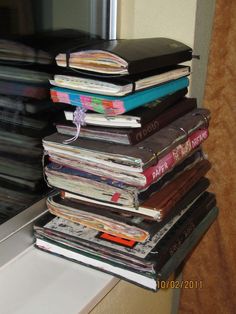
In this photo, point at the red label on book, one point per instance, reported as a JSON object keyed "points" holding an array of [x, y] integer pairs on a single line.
{"points": [[111, 238], [115, 197], [167, 162]]}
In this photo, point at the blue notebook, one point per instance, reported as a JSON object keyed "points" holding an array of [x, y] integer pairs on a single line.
{"points": [[116, 105]]}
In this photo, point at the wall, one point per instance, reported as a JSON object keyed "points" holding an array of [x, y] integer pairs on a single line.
{"points": [[203, 30], [157, 18], [214, 259]]}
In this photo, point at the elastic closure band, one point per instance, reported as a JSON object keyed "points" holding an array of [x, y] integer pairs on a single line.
{"points": [[205, 119]]}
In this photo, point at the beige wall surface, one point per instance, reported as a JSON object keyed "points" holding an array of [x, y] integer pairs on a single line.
{"points": [[214, 260], [157, 18]]}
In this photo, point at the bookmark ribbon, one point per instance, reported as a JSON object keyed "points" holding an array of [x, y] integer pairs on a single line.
{"points": [[78, 120]]}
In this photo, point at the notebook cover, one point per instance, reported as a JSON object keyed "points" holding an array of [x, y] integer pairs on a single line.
{"points": [[105, 189], [116, 105], [184, 227], [170, 266], [171, 193], [202, 218], [187, 246], [143, 114], [134, 135], [131, 82], [91, 238], [144, 54], [188, 163], [24, 105], [23, 75], [115, 222], [146, 111], [60, 40], [146, 152]]}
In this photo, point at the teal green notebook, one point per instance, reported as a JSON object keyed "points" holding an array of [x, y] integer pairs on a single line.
{"points": [[116, 105]]}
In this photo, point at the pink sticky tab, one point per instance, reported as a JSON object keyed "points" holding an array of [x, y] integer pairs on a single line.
{"points": [[64, 97], [115, 197], [86, 102]]}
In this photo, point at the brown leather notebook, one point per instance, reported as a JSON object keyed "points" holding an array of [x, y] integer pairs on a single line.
{"points": [[165, 199]]}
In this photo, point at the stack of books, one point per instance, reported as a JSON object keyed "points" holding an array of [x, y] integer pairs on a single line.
{"points": [[131, 196]]}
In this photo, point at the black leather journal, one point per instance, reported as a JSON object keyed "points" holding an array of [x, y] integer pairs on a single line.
{"points": [[126, 56]]}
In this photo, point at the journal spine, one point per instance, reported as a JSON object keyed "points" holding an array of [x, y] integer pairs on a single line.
{"points": [[139, 134], [166, 163], [146, 113], [167, 198], [183, 229], [188, 245]]}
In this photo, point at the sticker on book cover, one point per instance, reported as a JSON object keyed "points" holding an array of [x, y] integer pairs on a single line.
{"points": [[117, 240]]}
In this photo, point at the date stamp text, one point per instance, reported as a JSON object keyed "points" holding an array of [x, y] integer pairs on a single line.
{"points": [[180, 284]]}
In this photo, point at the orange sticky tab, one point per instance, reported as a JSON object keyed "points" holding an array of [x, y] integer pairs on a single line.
{"points": [[111, 238]]}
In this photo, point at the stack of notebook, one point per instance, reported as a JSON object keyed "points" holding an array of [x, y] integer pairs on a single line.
{"points": [[131, 194]]}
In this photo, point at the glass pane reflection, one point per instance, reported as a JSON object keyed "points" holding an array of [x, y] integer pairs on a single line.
{"points": [[26, 112]]}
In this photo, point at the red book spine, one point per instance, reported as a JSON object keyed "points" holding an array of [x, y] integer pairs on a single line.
{"points": [[166, 163]]}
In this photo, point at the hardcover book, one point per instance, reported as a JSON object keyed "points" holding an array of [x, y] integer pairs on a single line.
{"points": [[145, 271], [12, 51], [111, 105], [131, 226], [91, 238], [113, 191], [135, 158], [120, 86], [126, 56], [136, 118], [138, 205], [133, 135], [41, 48]]}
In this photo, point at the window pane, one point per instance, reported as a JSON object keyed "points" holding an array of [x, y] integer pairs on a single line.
{"points": [[26, 112]]}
